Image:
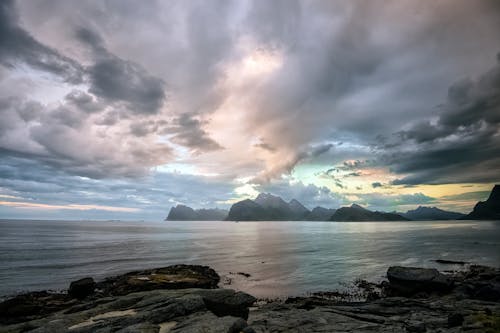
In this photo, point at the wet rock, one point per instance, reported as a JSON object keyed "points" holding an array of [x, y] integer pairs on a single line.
{"points": [[450, 262], [408, 281], [180, 310], [225, 310], [488, 292], [416, 327], [455, 319], [82, 288], [32, 305], [224, 302], [171, 277], [209, 323]]}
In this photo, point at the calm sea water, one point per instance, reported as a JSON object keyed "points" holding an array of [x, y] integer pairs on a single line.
{"points": [[283, 258]]}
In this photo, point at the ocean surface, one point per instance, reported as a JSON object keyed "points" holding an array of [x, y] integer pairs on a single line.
{"points": [[283, 258]]}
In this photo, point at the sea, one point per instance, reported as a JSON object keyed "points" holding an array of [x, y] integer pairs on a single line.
{"points": [[282, 258]]}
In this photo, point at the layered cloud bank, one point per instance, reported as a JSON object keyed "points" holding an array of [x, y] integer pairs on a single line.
{"points": [[128, 107]]}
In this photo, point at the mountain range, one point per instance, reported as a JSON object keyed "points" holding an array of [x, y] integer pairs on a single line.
{"points": [[431, 213], [185, 213], [358, 213], [268, 207]]}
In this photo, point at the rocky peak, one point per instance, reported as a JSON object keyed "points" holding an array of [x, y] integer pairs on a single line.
{"points": [[489, 209], [297, 206], [495, 195], [356, 206], [268, 200]]}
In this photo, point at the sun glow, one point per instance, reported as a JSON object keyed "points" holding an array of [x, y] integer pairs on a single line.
{"points": [[261, 62]]}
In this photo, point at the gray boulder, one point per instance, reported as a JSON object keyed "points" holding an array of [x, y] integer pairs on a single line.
{"points": [[82, 288], [225, 302], [411, 280]]}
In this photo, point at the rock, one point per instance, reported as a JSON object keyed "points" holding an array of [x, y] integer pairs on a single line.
{"points": [[171, 277], [416, 327], [180, 310], [209, 323], [247, 275], [32, 305], [450, 262], [488, 292], [82, 288], [411, 280], [224, 302], [455, 319], [225, 310]]}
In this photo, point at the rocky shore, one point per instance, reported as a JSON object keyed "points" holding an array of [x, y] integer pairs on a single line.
{"points": [[186, 298]]}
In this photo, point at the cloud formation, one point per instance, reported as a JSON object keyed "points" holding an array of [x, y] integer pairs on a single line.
{"points": [[17, 45], [462, 144], [327, 100]]}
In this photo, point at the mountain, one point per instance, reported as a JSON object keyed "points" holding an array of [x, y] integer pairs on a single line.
{"points": [[267, 207], [431, 213], [246, 210], [185, 213], [357, 213], [211, 214], [320, 214], [487, 210], [298, 209]]}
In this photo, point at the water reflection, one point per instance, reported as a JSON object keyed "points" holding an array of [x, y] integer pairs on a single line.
{"points": [[283, 258]]}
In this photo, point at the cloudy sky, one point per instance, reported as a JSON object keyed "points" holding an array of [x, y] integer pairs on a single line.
{"points": [[119, 109]]}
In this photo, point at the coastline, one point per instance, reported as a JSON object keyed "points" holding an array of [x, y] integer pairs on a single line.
{"points": [[187, 298]]}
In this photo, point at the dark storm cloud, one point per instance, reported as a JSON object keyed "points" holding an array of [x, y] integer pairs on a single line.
{"points": [[59, 135], [188, 132], [84, 101], [349, 166], [463, 144], [116, 79], [17, 45]]}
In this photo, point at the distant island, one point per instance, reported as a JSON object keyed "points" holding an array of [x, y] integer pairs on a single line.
{"points": [[358, 213], [431, 213], [185, 213], [268, 207]]}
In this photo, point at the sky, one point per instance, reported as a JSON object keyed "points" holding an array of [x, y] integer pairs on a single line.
{"points": [[115, 109]]}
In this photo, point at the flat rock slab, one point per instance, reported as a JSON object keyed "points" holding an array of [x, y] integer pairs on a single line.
{"points": [[38, 304], [171, 277], [182, 310], [386, 315]]}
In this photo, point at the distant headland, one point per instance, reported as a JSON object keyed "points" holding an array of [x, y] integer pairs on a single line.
{"points": [[268, 207]]}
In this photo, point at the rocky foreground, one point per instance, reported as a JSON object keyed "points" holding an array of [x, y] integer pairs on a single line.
{"points": [[185, 298]]}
